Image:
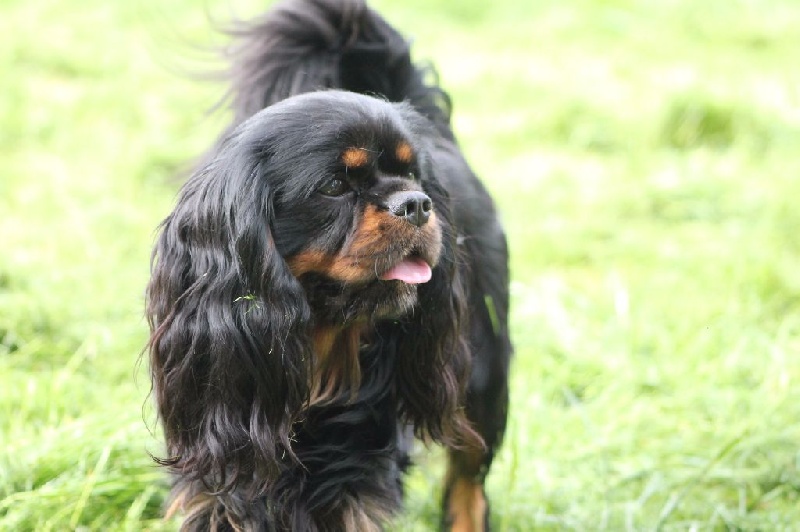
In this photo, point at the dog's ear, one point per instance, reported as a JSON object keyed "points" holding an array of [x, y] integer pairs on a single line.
{"points": [[229, 348], [432, 366]]}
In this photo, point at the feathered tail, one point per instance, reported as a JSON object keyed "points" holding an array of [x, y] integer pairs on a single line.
{"points": [[306, 45]]}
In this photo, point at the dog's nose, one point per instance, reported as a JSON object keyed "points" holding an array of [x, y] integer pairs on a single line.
{"points": [[415, 207]]}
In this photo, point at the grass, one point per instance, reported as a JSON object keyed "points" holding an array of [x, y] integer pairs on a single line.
{"points": [[644, 155]]}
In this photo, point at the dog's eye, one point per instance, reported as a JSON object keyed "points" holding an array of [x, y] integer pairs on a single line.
{"points": [[334, 187], [412, 176]]}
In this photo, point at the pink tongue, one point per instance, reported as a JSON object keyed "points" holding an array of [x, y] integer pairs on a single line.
{"points": [[412, 270]]}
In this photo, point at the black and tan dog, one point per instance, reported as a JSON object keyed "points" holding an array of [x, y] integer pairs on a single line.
{"points": [[332, 282]]}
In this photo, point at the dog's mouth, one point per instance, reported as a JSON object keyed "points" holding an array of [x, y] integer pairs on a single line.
{"points": [[412, 269], [390, 292]]}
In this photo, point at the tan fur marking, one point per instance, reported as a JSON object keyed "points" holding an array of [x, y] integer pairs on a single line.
{"points": [[309, 261], [372, 219], [337, 366], [376, 225], [403, 152], [355, 157], [323, 341], [356, 261], [371, 229], [336, 266], [467, 506]]}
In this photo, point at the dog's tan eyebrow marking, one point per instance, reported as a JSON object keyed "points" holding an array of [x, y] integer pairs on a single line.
{"points": [[404, 152], [355, 157]]}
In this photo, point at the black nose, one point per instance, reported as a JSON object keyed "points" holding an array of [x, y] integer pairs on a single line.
{"points": [[414, 206]]}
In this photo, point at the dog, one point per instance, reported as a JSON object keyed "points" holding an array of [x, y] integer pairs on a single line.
{"points": [[331, 284]]}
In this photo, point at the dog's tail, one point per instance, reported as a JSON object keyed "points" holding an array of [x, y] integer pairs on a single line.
{"points": [[305, 45]]}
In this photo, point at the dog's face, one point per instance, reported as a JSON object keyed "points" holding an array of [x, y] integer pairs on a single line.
{"points": [[352, 211]]}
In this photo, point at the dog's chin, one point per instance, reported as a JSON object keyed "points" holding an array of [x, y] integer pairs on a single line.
{"points": [[334, 302], [399, 299]]}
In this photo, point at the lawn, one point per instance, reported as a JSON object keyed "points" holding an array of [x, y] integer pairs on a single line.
{"points": [[646, 159]]}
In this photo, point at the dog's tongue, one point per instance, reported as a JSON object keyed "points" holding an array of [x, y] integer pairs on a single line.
{"points": [[411, 270]]}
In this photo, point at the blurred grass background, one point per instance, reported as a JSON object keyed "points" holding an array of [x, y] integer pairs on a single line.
{"points": [[645, 155]]}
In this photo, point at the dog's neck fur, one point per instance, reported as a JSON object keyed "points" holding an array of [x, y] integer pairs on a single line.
{"points": [[337, 368]]}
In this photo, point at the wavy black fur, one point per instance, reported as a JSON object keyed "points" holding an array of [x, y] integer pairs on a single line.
{"points": [[233, 322]]}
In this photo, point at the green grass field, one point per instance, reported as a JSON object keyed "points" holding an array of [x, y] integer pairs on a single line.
{"points": [[646, 158]]}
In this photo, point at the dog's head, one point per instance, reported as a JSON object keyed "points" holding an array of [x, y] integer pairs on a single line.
{"points": [[319, 215], [355, 209]]}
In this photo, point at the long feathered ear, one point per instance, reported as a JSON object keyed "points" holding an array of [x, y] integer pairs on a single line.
{"points": [[229, 348], [433, 358]]}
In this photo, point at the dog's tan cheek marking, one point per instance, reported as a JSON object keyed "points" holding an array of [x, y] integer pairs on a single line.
{"points": [[340, 268], [371, 226], [368, 242], [357, 261], [355, 157], [309, 261], [403, 152], [374, 229]]}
